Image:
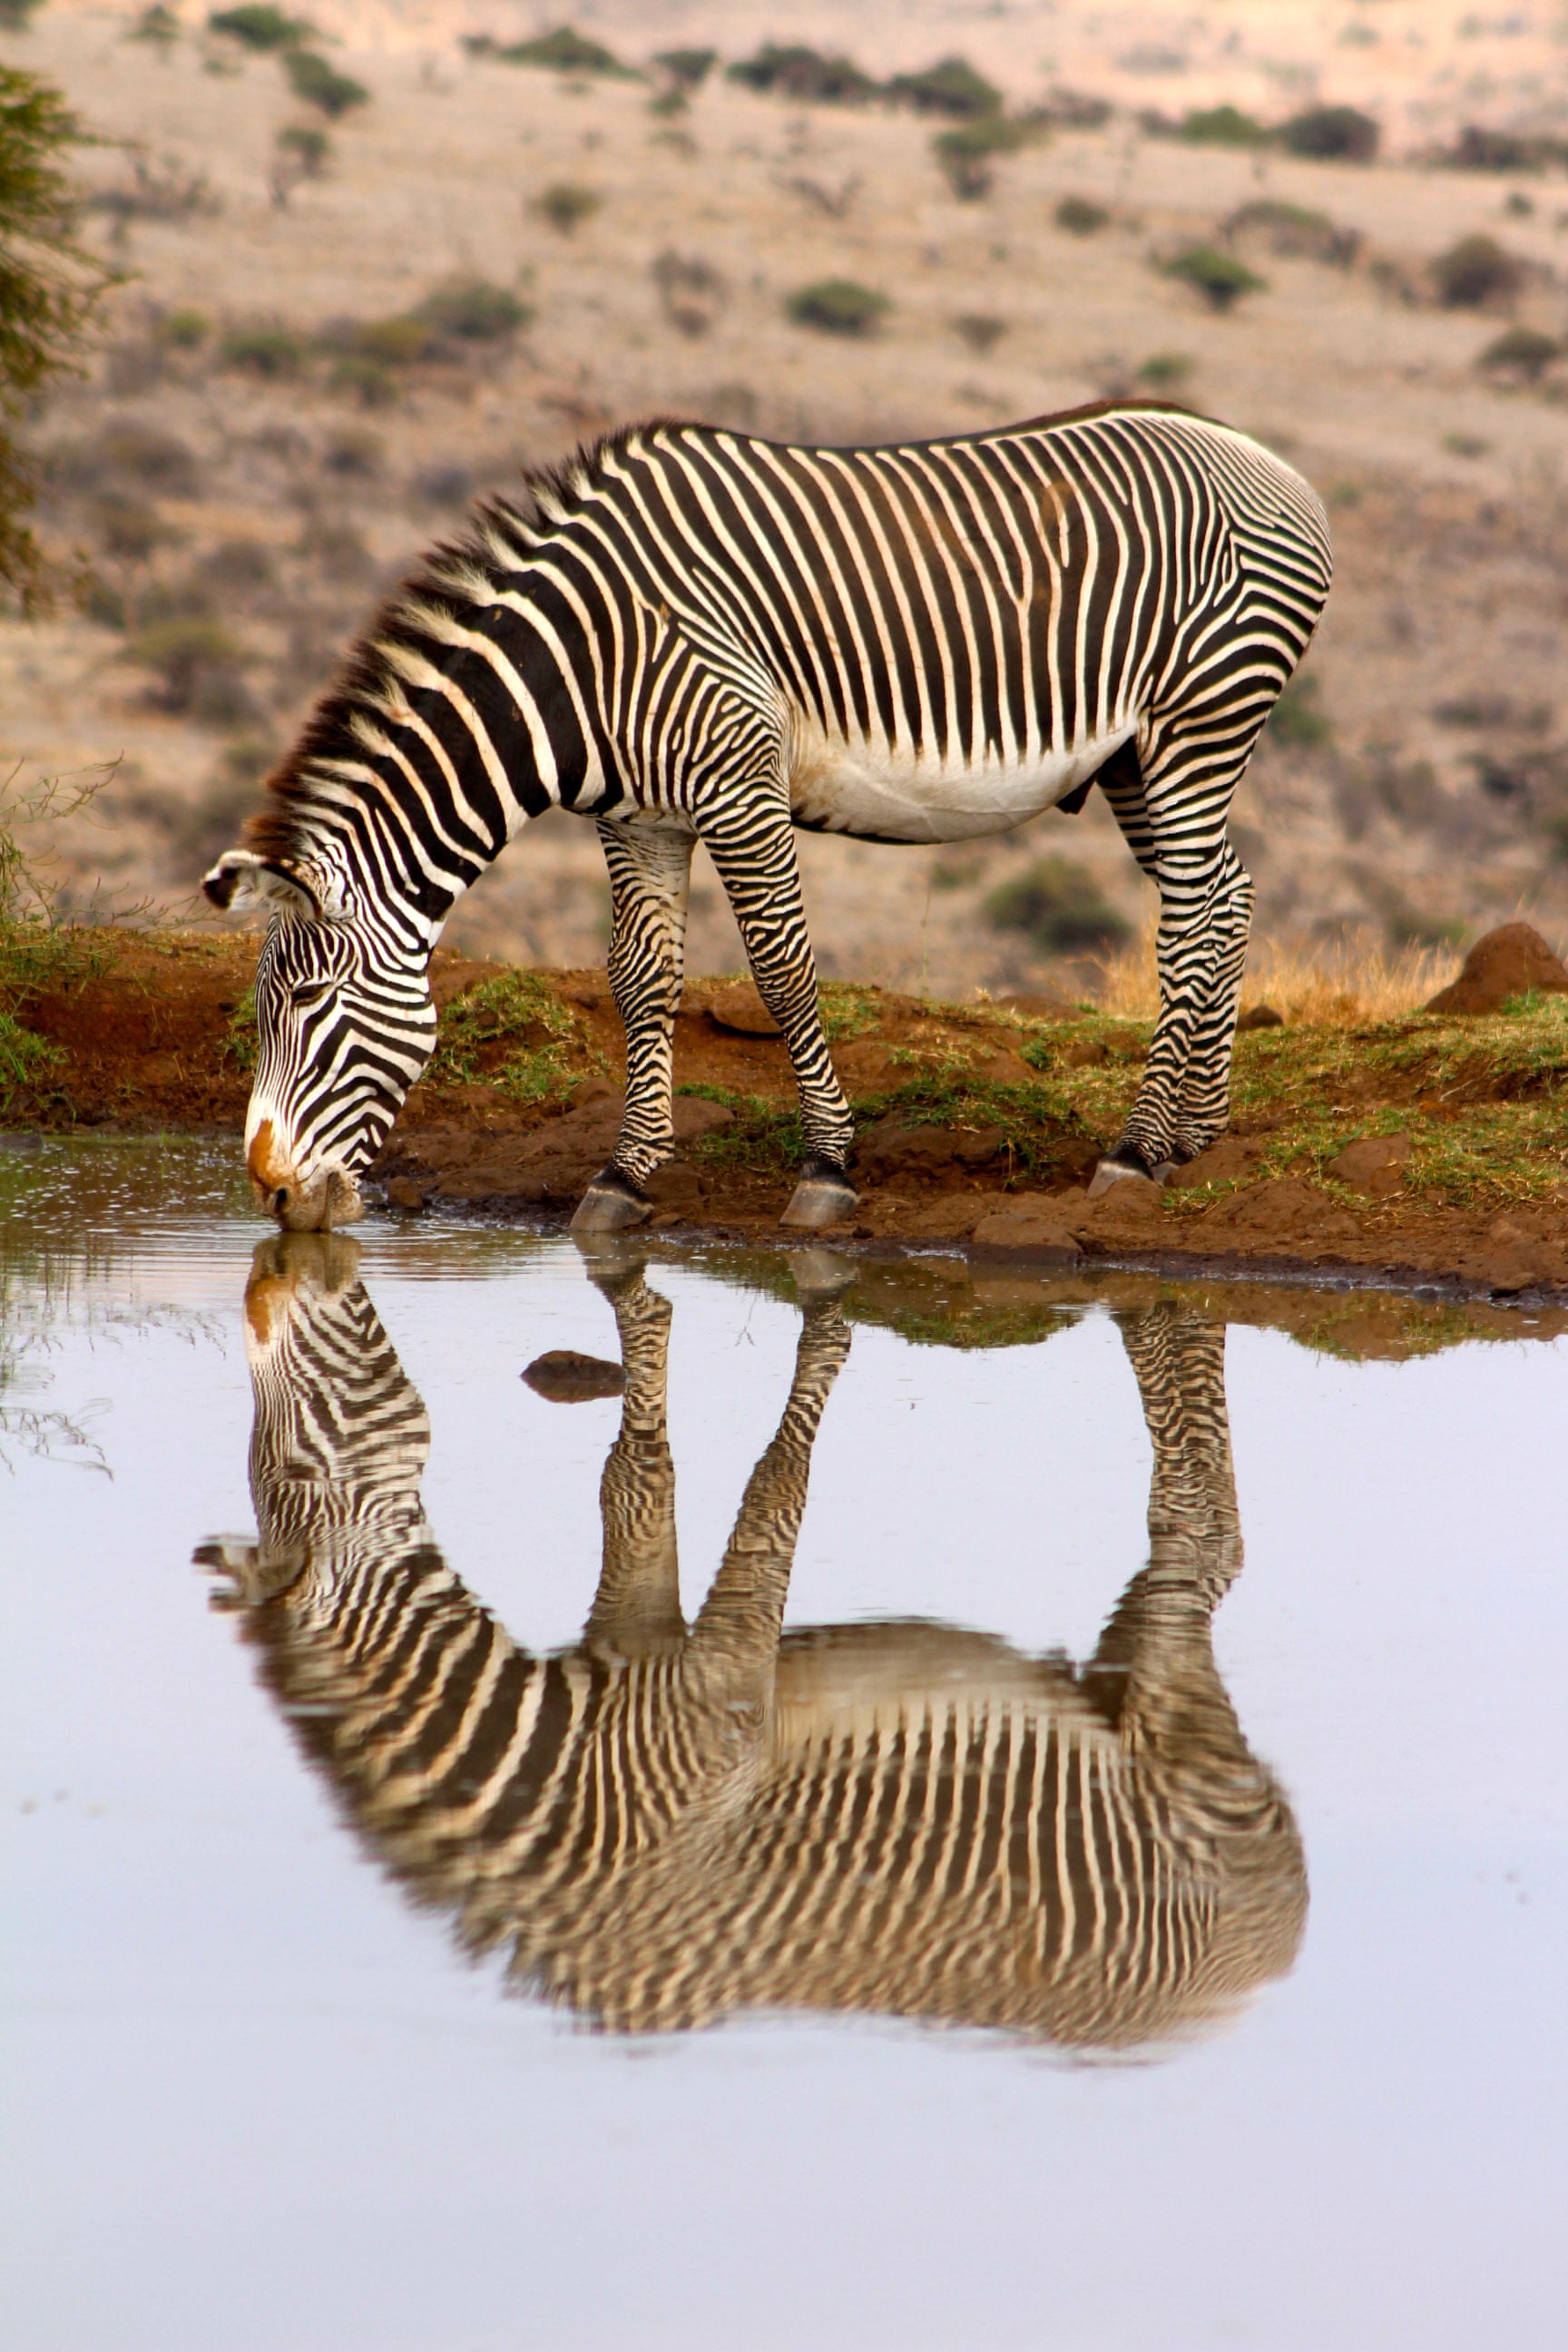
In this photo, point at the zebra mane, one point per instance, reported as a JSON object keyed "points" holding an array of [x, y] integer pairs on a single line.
{"points": [[454, 577]]}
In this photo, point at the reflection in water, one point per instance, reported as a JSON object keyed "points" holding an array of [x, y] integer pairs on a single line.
{"points": [[668, 1823]]}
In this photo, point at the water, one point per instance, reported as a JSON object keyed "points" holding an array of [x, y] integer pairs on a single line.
{"points": [[258, 2096]]}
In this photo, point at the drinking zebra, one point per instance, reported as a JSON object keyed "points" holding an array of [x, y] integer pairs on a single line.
{"points": [[668, 1823], [691, 636]]}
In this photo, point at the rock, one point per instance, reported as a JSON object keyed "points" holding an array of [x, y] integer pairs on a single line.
{"points": [[866, 1069], [1261, 1016], [890, 1148], [1131, 1210], [1373, 1164], [1282, 1212], [695, 1114], [1001, 1067], [1505, 963], [944, 1221], [566, 1377], [1086, 1054], [1035, 1222], [676, 1186], [1037, 1008], [1520, 1250], [736, 1007], [406, 1192], [1229, 1157]]}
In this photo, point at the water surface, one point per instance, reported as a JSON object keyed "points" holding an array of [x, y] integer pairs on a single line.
{"points": [[956, 1810]]}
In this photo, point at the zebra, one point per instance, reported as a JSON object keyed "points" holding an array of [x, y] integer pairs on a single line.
{"points": [[671, 1823], [689, 635]]}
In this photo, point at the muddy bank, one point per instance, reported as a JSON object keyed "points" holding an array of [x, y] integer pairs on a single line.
{"points": [[1431, 1154]]}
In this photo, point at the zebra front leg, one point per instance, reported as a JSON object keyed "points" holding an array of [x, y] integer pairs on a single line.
{"points": [[754, 856], [650, 869]]}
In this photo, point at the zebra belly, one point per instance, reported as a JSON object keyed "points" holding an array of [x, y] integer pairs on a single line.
{"points": [[879, 794]]}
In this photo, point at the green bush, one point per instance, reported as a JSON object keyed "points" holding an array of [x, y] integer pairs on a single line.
{"points": [[198, 666], [265, 351], [307, 145], [952, 87], [981, 330], [261, 27], [686, 69], [1165, 371], [1061, 908], [1080, 217], [1296, 719], [965, 154], [1331, 134], [566, 204], [1521, 352], [473, 311], [183, 331], [837, 306], [803, 73], [1222, 126], [49, 287], [15, 14], [1294, 231], [1475, 273], [157, 26], [317, 83], [565, 50], [1219, 277]]}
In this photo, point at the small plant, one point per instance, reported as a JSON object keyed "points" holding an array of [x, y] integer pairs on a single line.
{"points": [[315, 83], [306, 145], [1521, 351], [565, 205], [692, 291], [837, 306], [1477, 273], [259, 27], [1331, 134], [183, 331], [514, 1011], [980, 329], [1081, 218], [1060, 906], [1293, 230], [966, 154], [1222, 126], [158, 26], [1165, 370], [473, 311], [564, 50], [198, 666], [1296, 719], [1219, 278], [803, 73], [950, 88], [686, 70], [272, 352]]}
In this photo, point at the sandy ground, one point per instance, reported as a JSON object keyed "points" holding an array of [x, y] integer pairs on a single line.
{"points": [[1438, 801]]}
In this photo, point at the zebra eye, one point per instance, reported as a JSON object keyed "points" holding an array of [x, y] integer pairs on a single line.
{"points": [[309, 992]]}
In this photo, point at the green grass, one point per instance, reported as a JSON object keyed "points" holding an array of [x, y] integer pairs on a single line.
{"points": [[510, 1033]]}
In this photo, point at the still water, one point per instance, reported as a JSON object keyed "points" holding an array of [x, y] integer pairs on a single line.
{"points": [[833, 1845]]}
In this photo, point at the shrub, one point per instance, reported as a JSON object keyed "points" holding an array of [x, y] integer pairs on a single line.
{"points": [[183, 331], [979, 330], [1222, 126], [164, 193], [686, 69], [1296, 719], [448, 485], [261, 27], [1219, 277], [1164, 371], [305, 144], [951, 87], [49, 287], [355, 451], [964, 154], [805, 75], [1476, 273], [1293, 230], [565, 50], [391, 342], [1521, 352], [157, 26], [317, 83], [269, 351], [153, 458], [129, 529], [1080, 217], [198, 666], [14, 14], [1480, 150], [565, 205], [473, 311], [1061, 908], [692, 291], [1331, 134], [1070, 109], [837, 306]]}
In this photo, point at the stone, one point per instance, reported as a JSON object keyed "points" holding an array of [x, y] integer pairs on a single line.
{"points": [[1228, 1157], [406, 1192], [676, 1185], [736, 1007], [694, 1115], [891, 1147], [1035, 1222], [1373, 1164], [1506, 962], [865, 1067], [564, 1377], [1261, 1016], [1037, 1008], [1282, 1212]]}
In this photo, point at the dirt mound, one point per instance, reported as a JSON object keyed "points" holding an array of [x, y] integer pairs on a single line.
{"points": [[1509, 962]]}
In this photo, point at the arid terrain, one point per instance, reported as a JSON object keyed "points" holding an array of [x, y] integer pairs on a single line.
{"points": [[291, 398]]}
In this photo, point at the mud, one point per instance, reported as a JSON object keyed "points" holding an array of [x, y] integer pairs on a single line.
{"points": [[151, 1035]]}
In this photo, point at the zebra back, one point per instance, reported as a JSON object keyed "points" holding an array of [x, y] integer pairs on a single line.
{"points": [[666, 1823]]}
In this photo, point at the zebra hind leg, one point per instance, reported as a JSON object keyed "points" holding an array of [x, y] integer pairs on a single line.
{"points": [[650, 867], [754, 856]]}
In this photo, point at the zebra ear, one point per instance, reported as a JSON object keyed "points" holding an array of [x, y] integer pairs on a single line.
{"points": [[241, 878]]}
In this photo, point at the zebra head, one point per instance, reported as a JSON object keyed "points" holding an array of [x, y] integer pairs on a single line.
{"points": [[344, 1026]]}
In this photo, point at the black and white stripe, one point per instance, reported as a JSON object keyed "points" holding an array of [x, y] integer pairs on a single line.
{"points": [[668, 1823], [696, 636]]}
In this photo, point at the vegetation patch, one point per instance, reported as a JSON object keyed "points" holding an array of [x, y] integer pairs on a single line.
{"points": [[512, 1033], [837, 306]]}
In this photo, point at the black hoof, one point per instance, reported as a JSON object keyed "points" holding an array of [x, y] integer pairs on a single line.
{"points": [[610, 1204], [824, 1196]]}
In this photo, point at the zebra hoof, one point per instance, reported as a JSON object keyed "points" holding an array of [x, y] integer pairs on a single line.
{"points": [[823, 1197], [1120, 1171], [610, 1204], [821, 1275]]}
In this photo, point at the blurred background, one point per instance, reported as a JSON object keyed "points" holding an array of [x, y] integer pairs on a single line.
{"points": [[373, 258]]}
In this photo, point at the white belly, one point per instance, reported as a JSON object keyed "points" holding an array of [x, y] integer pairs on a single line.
{"points": [[903, 796]]}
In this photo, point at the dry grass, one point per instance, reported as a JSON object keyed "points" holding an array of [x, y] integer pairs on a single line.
{"points": [[1344, 984]]}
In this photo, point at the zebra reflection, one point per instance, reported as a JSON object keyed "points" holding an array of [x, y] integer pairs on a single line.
{"points": [[669, 1822]]}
